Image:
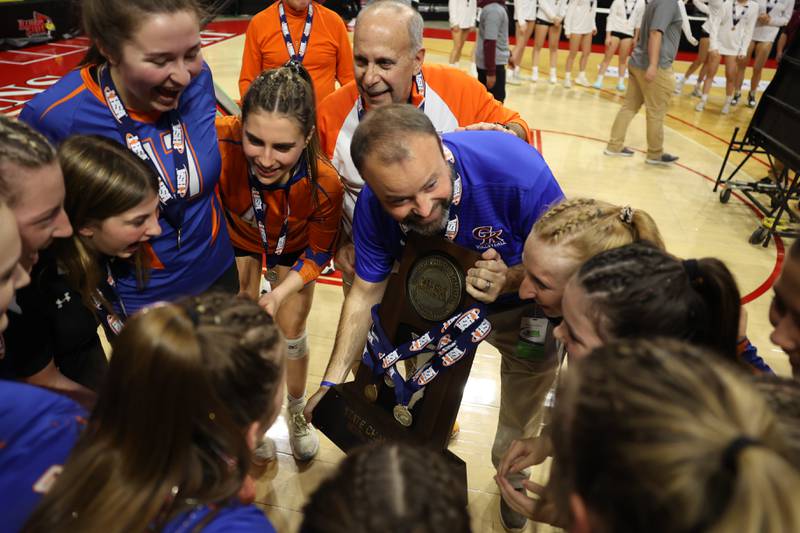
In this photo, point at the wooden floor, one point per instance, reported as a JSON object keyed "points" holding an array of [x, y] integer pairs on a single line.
{"points": [[571, 128]]}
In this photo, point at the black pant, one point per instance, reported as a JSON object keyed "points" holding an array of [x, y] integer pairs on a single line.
{"points": [[228, 281], [499, 89]]}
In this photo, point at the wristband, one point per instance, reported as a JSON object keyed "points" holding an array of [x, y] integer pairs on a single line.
{"points": [[324, 383]]}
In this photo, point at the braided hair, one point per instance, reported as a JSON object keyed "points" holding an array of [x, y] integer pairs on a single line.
{"points": [[289, 91], [185, 383], [20, 145], [388, 488], [638, 290], [660, 436], [588, 226]]}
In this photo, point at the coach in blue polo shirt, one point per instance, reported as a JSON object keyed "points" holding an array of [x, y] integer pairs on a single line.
{"points": [[481, 189]]}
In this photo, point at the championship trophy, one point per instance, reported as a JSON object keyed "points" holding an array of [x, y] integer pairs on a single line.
{"points": [[426, 317]]}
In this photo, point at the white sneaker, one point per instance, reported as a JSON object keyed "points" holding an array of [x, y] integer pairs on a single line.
{"points": [[266, 452], [514, 78], [582, 81], [567, 83], [553, 77], [697, 92], [535, 75], [473, 70], [621, 85], [701, 105], [303, 438], [679, 86], [726, 108]]}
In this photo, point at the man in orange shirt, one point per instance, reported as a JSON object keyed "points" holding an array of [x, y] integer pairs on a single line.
{"points": [[389, 57], [311, 34]]}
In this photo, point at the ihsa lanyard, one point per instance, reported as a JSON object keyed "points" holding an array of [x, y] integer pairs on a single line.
{"points": [[173, 204], [287, 37], [260, 212], [112, 323]]}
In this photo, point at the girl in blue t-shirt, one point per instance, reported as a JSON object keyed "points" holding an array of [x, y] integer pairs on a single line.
{"points": [[144, 84], [191, 388]]}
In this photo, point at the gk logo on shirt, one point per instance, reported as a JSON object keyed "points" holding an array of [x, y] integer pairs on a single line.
{"points": [[489, 237]]}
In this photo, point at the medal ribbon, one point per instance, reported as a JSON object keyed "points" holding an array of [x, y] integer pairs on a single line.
{"points": [[261, 215], [173, 204], [629, 11], [287, 37], [108, 292], [419, 81], [735, 18], [450, 341], [771, 5]]}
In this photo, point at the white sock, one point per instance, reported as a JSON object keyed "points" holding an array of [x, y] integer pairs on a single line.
{"points": [[728, 99], [600, 78], [582, 74], [292, 401], [553, 71], [568, 76], [536, 70], [704, 98]]}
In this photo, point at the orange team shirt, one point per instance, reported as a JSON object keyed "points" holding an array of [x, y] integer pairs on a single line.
{"points": [[312, 228], [328, 55], [452, 99]]}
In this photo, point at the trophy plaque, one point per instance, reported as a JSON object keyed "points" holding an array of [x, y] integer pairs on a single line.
{"points": [[428, 288]]}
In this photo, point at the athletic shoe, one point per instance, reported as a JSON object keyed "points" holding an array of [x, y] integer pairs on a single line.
{"points": [[598, 84], [621, 86], [679, 85], [665, 160], [735, 99], [697, 92], [303, 438], [726, 108], [514, 78], [265, 453], [473, 70], [535, 75], [567, 83], [511, 520], [553, 79], [751, 100], [625, 152], [701, 105], [582, 81]]}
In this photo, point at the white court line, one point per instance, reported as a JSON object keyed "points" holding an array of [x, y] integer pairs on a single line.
{"points": [[27, 53], [32, 61]]}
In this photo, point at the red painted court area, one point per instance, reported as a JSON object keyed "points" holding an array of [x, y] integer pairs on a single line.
{"points": [[27, 72]]}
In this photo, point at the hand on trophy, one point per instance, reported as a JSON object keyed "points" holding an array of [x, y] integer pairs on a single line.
{"points": [[312, 402], [486, 280]]}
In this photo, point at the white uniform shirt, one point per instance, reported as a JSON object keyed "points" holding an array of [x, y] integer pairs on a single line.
{"points": [[579, 16], [625, 16], [779, 11], [733, 39], [525, 10], [548, 10], [713, 10]]}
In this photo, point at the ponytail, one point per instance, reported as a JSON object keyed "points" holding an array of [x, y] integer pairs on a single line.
{"points": [[639, 290]]}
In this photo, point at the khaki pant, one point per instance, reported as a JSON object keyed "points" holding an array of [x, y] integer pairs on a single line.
{"points": [[655, 96], [524, 383]]}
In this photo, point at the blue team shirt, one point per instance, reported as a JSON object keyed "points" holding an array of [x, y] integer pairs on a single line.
{"points": [[38, 429], [238, 517], [75, 105], [506, 188]]}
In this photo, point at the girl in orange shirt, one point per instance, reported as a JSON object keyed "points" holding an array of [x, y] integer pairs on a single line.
{"points": [[283, 199]]}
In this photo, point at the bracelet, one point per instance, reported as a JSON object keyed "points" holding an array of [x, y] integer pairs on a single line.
{"points": [[325, 383]]}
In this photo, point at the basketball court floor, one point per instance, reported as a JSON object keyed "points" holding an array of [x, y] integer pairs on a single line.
{"points": [[570, 127]]}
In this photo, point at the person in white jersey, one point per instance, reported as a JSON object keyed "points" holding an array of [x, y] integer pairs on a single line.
{"points": [[548, 25], [622, 25], [579, 27], [730, 40], [525, 17]]}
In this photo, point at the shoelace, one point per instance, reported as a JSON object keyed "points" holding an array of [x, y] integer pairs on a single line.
{"points": [[300, 424]]}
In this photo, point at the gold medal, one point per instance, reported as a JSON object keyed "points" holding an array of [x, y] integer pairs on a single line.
{"points": [[272, 275], [403, 415], [388, 381], [371, 392]]}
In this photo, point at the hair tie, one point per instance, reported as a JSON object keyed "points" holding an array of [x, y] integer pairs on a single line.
{"points": [[692, 271], [626, 214], [731, 454]]}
